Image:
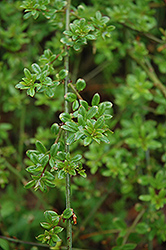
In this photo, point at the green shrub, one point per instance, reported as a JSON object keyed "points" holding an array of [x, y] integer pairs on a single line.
{"points": [[120, 204]]}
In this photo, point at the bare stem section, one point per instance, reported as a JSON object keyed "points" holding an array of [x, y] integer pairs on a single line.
{"points": [[68, 188]]}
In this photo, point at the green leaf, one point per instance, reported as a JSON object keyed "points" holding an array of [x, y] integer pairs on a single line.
{"points": [[98, 15], [67, 213], [65, 117], [70, 139], [34, 169], [119, 223], [30, 184], [52, 162], [61, 174], [78, 135], [102, 108], [70, 97], [36, 68], [34, 158], [21, 85], [99, 123], [92, 112], [87, 141], [55, 128], [91, 37], [68, 33], [51, 216], [72, 172], [27, 15], [55, 238], [80, 84], [84, 104], [75, 105], [58, 229], [45, 160], [4, 244], [45, 225], [40, 237], [67, 128], [89, 126], [29, 152], [72, 125], [108, 104], [95, 99], [54, 150], [31, 91], [110, 28], [82, 111], [49, 92], [40, 185], [142, 228], [77, 47], [145, 197], [77, 158], [107, 116], [40, 147], [49, 176], [62, 74], [48, 217], [49, 183], [82, 173], [104, 138], [61, 155], [81, 120], [27, 73], [67, 41]]}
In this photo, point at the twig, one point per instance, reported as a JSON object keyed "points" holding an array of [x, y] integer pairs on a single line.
{"points": [[131, 229], [75, 91], [111, 231], [151, 73], [33, 243], [15, 172], [23, 242], [68, 185], [93, 211], [148, 35], [96, 71]]}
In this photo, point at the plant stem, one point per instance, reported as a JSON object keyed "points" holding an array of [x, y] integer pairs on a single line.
{"points": [[75, 91], [131, 229], [32, 243], [146, 65], [21, 135], [93, 211], [68, 186]]}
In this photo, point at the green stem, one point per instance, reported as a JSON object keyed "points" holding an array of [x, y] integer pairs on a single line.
{"points": [[15, 172], [21, 135], [68, 186]]}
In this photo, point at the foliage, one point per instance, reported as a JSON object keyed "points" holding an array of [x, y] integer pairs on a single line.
{"points": [[120, 202]]}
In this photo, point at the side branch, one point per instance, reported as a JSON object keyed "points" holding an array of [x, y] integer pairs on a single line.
{"points": [[151, 74]]}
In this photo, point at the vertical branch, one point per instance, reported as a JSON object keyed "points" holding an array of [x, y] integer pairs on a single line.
{"points": [[68, 188], [21, 134]]}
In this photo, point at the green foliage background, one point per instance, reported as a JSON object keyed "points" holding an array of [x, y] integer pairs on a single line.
{"points": [[121, 203]]}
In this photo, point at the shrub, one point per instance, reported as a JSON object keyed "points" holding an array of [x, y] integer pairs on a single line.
{"points": [[121, 202]]}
